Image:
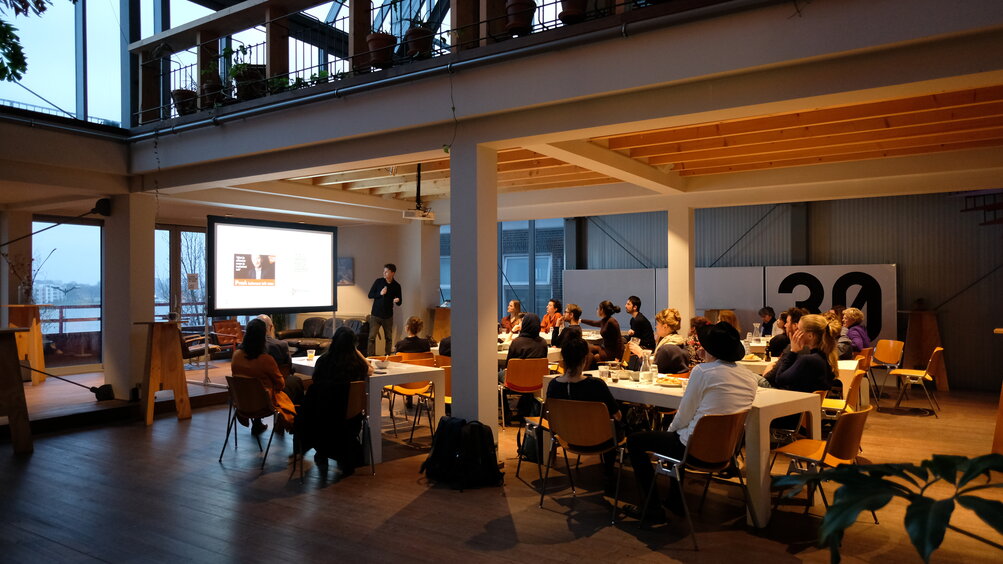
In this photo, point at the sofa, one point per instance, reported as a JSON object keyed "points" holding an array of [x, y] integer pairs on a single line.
{"points": [[316, 334]]}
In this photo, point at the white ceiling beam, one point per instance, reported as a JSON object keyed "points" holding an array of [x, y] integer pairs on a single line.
{"points": [[615, 165], [321, 194], [235, 199]]}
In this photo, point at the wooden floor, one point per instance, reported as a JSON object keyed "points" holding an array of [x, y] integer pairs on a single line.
{"points": [[131, 493]]}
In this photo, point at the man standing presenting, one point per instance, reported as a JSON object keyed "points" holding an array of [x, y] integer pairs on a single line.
{"points": [[385, 293], [640, 327]]}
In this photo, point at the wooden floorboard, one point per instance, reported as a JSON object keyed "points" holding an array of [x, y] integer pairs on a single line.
{"points": [[126, 492]]}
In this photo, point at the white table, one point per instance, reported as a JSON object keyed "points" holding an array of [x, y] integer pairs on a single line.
{"points": [[395, 373], [846, 368], [768, 405], [553, 354]]}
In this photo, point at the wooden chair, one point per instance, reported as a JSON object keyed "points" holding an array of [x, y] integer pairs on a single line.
{"points": [[581, 428], [832, 407], [887, 355], [441, 360], [410, 390], [908, 378], [248, 399], [780, 437], [228, 334], [196, 346], [406, 356], [429, 396], [358, 399], [812, 455], [522, 376], [625, 358], [710, 450]]}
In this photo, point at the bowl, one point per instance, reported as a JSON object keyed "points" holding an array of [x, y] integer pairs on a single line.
{"points": [[635, 376], [381, 363]]}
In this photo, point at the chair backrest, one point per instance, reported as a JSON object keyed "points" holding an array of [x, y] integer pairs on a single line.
{"points": [[580, 426], [187, 351], [851, 387], [844, 441], [525, 375], [887, 351], [864, 359], [806, 415], [391, 358], [356, 399], [447, 380], [443, 361], [406, 356], [936, 364], [419, 361], [715, 440], [249, 397], [228, 332], [626, 356]]}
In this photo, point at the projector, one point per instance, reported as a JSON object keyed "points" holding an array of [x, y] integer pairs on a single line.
{"points": [[419, 215]]}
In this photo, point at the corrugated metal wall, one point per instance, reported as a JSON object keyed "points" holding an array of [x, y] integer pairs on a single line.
{"points": [[767, 243], [939, 252], [640, 234]]}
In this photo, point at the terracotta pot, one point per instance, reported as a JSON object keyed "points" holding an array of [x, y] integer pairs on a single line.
{"points": [[381, 49], [520, 16], [419, 42], [572, 11], [212, 93], [251, 82], [185, 101]]}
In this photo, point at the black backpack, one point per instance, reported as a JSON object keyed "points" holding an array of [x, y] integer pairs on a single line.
{"points": [[463, 455]]}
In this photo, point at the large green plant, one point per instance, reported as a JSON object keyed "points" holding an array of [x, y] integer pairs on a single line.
{"points": [[871, 487]]}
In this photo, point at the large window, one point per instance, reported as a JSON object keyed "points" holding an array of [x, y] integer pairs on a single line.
{"points": [[180, 282], [64, 274]]}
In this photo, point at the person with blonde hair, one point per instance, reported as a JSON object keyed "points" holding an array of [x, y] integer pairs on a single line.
{"points": [[729, 317], [671, 357], [811, 364], [855, 331], [413, 343]]}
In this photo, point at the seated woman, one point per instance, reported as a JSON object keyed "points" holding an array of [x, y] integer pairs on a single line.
{"points": [[321, 424], [729, 317], [511, 322], [670, 353], [857, 333], [528, 344], [778, 343], [252, 360], [693, 347], [413, 343], [811, 363], [611, 346], [574, 384]]}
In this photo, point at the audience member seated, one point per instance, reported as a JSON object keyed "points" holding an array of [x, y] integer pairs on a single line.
{"points": [[717, 386], [413, 343], [857, 333], [553, 318], [794, 315], [611, 346], [811, 362], [729, 316], [769, 317], [446, 346], [573, 315], [279, 350], [670, 354], [779, 342], [640, 327], [321, 424], [511, 322], [252, 360], [844, 346], [574, 384], [692, 342]]}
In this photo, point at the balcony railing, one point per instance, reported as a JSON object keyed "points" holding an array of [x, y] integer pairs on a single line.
{"points": [[210, 63]]}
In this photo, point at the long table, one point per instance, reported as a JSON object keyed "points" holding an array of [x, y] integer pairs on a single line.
{"points": [[768, 405], [553, 354], [394, 373], [846, 368]]}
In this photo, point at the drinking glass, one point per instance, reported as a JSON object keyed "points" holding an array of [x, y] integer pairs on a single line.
{"points": [[310, 353]]}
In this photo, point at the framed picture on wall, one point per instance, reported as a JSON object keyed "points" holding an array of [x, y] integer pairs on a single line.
{"points": [[346, 271]]}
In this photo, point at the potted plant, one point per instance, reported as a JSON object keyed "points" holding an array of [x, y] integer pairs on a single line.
{"points": [[211, 87], [418, 39], [572, 11], [870, 487], [186, 99], [381, 49], [520, 16], [249, 78]]}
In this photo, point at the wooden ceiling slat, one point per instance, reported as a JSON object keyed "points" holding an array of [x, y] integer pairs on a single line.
{"points": [[849, 148], [947, 115], [808, 117], [866, 155], [542, 162], [542, 172], [557, 179], [399, 179], [549, 186], [769, 149]]}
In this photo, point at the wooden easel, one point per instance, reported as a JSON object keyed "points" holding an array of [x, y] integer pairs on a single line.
{"points": [[165, 368], [12, 403], [29, 343]]}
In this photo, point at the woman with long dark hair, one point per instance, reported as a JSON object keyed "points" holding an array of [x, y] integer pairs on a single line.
{"points": [[323, 426], [611, 346], [251, 360]]}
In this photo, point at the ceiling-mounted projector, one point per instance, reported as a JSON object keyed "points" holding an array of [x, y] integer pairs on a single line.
{"points": [[419, 215]]}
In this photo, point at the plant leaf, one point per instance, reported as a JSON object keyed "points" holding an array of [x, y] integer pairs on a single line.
{"points": [[981, 465], [849, 501], [926, 521], [945, 466], [989, 510]]}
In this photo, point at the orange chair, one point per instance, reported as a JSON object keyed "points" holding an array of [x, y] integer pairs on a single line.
{"points": [[410, 390], [426, 397], [442, 361], [908, 378], [248, 399], [406, 356], [522, 376], [832, 407], [887, 355], [228, 334]]}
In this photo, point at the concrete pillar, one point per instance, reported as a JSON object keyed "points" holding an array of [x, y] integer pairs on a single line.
{"points": [[127, 289], [681, 263], [13, 224], [474, 281], [419, 268]]}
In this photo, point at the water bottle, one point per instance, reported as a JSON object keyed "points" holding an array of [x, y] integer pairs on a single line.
{"points": [[645, 365]]}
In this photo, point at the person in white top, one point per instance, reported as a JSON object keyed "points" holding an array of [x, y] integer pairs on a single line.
{"points": [[717, 386]]}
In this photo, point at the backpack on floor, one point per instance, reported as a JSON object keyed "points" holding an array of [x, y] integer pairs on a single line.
{"points": [[441, 466], [478, 460]]}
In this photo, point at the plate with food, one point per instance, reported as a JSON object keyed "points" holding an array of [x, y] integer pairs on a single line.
{"points": [[669, 382], [751, 358]]}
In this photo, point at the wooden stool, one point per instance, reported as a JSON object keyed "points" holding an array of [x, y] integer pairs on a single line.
{"points": [[165, 369], [12, 403]]}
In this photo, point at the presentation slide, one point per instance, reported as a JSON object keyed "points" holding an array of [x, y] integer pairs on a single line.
{"points": [[260, 266]]}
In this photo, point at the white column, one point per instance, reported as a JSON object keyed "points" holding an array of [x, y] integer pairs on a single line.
{"points": [[13, 224], [419, 269], [474, 281], [682, 263], [127, 289]]}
